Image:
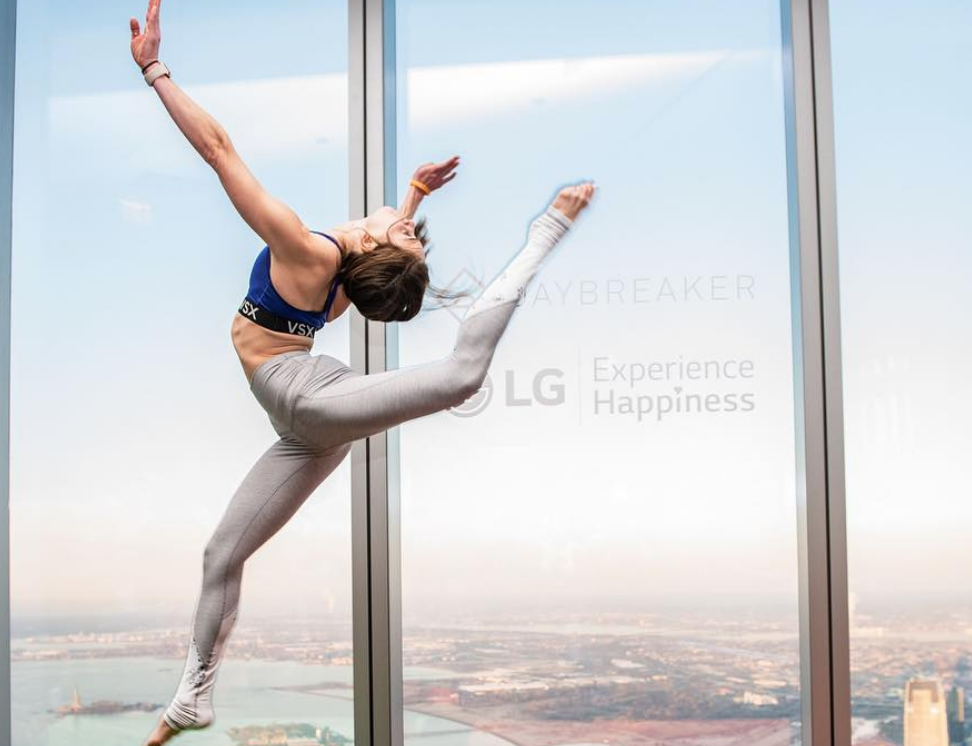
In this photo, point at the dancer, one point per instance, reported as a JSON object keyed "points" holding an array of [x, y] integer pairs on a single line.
{"points": [[317, 405]]}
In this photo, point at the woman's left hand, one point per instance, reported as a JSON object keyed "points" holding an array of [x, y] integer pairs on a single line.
{"points": [[436, 175], [145, 45]]}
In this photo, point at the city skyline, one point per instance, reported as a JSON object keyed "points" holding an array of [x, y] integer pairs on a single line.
{"points": [[464, 671]]}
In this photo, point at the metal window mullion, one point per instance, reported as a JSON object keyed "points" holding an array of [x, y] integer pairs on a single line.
{"points": [[360, 520], [377, 610], [8, 53], [821, 532], [833, 367]]}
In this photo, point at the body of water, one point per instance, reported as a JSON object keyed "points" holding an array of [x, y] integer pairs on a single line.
{"points": [[246, 694]]}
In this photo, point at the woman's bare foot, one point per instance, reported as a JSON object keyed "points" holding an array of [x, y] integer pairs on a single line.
{"points": [[571, 200], [162, 733]]}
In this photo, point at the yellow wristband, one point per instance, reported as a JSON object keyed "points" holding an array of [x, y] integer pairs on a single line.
{"points": [[420, 186]]}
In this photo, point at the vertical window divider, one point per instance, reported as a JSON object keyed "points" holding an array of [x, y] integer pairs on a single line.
{"points": [[8, 57], [376, 544], [833, 370], [824, 646]]}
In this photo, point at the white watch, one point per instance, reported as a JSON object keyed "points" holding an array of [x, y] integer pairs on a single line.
{"points": [[156, 70]]}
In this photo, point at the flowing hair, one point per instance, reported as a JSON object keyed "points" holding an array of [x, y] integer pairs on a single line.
{"points": [[389, 284]]}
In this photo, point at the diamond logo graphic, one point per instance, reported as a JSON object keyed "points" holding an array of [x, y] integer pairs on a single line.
{"points": [[458, 308]]}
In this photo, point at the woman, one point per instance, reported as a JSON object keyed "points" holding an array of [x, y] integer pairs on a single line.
{"points": [[316, 404]]}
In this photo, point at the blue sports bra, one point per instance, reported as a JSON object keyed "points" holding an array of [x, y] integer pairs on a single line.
{"points": [[263, 294]]}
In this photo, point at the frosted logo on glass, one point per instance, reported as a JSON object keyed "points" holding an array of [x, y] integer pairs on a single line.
{"points": [[520, 390], [619, 291], [477, 402]]}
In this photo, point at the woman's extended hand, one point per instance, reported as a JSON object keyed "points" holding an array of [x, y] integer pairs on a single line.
{"points": [[145, 45], [571, 200], [435, 175]]}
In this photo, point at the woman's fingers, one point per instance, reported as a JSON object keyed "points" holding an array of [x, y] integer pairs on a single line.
{"points": [[152, 19]]}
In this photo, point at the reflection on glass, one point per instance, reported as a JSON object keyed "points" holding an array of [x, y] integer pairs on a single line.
{"points": [[600, 547], [131, 421], [902, 105]]}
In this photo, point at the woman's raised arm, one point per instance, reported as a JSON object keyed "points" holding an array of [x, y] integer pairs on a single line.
{"points": [[278, 225]]}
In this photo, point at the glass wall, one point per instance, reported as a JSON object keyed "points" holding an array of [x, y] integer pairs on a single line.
{"points": [[601, 545], [902, 105], [131, 423]]}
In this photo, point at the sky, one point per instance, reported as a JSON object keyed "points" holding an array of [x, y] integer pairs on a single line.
{"points": [[131, 430]]}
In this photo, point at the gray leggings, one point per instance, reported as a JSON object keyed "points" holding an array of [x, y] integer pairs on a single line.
{"points": [[319, 406]]}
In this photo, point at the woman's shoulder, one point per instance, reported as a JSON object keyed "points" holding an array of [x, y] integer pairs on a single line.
{"points": [[317, 253], [324, 247]]}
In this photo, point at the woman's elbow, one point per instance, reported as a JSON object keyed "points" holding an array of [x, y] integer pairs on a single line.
{"points": [[215, 152]]}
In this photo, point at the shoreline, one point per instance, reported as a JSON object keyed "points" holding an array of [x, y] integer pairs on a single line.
{"points": [[317, 691]]}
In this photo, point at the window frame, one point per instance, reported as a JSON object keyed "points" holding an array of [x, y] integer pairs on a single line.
{"points": [[8, 59]]}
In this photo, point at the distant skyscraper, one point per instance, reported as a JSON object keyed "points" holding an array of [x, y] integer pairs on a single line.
{"points": [[925, 719], [956, 714]]}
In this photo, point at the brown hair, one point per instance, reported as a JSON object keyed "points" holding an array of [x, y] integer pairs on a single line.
{"points": [[389, 284]]}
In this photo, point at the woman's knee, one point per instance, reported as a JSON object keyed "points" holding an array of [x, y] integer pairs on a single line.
{"points": [[321, 437], [220, 559]]}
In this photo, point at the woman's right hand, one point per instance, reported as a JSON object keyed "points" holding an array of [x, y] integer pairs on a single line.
{"points": [[145, 45], [571, 200]]}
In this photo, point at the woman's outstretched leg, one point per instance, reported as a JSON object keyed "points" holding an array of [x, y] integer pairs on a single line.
{"points": [[360, 405], [277, 485]]}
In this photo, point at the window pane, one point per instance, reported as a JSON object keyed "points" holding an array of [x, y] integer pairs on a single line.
{"points": [[902, 107], [132, 424], [600, 546]]}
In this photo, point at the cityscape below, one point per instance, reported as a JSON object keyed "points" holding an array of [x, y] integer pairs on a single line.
{"points": [[690, 677]]}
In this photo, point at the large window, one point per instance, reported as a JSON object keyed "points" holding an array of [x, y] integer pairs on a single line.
{"points": [[619, 538], [601, 545], [131, 423], [902, 104]]}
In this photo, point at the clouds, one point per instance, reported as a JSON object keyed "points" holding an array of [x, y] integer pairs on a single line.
{"points": [[123, 134], [139, 213], [446, 96]]}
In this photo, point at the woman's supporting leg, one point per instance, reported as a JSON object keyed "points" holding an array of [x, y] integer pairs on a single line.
{"points": [[360, 405], [277, 485]]}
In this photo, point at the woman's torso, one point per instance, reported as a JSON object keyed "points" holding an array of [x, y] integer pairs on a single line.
{"points": [[303, 286]]}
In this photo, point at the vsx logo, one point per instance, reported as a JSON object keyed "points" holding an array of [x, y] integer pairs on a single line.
{"points": [[249, 309], [294, 327], [302, 329]]}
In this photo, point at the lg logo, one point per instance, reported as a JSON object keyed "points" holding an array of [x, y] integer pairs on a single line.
{"points": [[477, 402], [545, 389], [519, 389]]}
